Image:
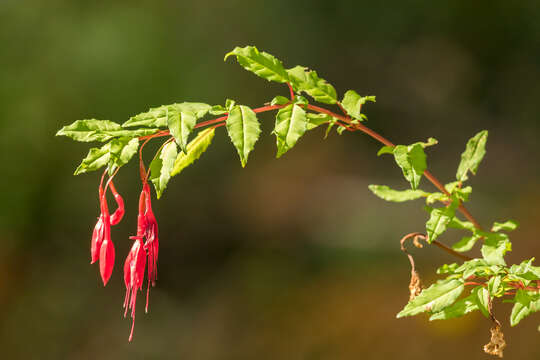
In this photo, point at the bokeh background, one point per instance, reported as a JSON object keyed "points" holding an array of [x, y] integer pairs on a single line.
{"points": [[285, 259]]}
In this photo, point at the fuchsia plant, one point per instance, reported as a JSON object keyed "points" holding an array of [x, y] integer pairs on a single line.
{"points": [[473, 284]]}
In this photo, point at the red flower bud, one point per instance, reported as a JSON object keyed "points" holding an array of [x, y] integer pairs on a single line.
{"points": [[106, 254], [97, 239]]}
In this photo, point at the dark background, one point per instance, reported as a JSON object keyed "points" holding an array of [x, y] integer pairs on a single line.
{"points": [[285, 259]]}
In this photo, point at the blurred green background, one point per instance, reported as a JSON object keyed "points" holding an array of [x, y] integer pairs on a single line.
{"points": [[285, 259]]}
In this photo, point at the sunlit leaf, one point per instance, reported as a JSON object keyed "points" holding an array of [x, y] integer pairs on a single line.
{"points": [[162, 166], [385, 193], [291, 124], [435, 298], [195, 149], [260, 63], [472, 156], [243, 128], [99, 130]]}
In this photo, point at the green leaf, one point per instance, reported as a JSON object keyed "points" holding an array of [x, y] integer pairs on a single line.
{"points": [[158, 116], [509, 225], [437, 196], [99, 130], [386, 150], [180, 125], [291, 124], [315, 120], [279, 100], [352, 103], [439, 220], [261, 64], [162, 166], [455, 188], [412, 161], [115, 154], [447, 269], [218, 110], [472, 156], [462, 225], [243, 128], [466, 243], [495, 247], [526, 303], [195, 149], [495, 285], [458, 309], [482, 298], [430, 142], [525, 271], [385, 193], [96, 158], [435, 298], [122, 150], [309, 82]]}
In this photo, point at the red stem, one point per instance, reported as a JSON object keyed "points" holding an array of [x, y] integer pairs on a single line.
{"points": [[291, 91]]}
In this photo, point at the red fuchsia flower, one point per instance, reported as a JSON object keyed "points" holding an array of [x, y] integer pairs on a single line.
{"points": [[102, 247], [135, 265], [152, 241]]}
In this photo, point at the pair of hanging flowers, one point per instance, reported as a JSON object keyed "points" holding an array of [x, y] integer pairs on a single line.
{"points": [[144, 250]]}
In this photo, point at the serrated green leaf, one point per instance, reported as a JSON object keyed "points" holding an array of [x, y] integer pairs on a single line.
{"points": [[495, 285], [114, 154], [495, 247], [482, 298], [162, 166], [96, 158], [158, 116], [180, 125], [526, 303], [386, 150], [458, 309], [99, 130], [435, 298], [279, 100], [243, 129], [525, 271], [315, 120], [309, 82], [261, 64], [438, 221], [352, 103], [291, 124], [195, 149], [462, 225], [472, 156], [218, 110], [122, 150], [509, 225], [466, 243], [385, 193], [412, 161]]}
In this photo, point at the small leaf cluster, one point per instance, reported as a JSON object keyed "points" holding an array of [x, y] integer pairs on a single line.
{"points": [[489, 276], [448, 298]]}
